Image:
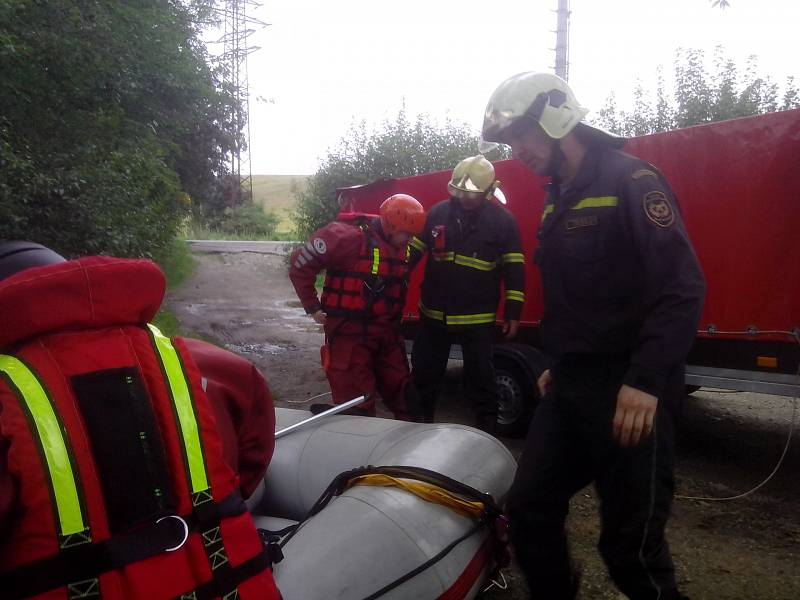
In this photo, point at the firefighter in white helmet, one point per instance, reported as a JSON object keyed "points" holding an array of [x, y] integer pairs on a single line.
{"points": [[472, 245], [622, 297]]}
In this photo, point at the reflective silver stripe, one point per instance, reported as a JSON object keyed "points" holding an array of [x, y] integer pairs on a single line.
{"points": [[515, 295], [306, 254], [300, 262]]}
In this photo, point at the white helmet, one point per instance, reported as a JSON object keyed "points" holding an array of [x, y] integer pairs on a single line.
{"points": [[473, 176], [542, 97]]}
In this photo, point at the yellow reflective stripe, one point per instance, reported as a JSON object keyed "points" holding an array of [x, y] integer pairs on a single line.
{"points": [[470, 319], [53, 444], [376, 260], [457, 319], [418, 244], [182, 400], [596, 202], [430, 313], [443, 256], [475, 263], [513, 257], [600, 201], [515, 295]]}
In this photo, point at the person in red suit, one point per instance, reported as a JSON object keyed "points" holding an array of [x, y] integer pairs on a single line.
{"points": [[125, 456], [365, 259]]}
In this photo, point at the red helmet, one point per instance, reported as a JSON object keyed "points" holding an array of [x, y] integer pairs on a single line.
{"points": [[402, 212]]}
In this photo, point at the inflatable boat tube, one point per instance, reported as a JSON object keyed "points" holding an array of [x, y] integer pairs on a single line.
{"points": [[369, 537]]}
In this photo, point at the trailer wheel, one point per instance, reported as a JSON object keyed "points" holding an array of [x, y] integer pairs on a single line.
{"points": [[515, 400]]}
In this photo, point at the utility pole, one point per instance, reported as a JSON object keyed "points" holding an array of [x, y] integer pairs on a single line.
{"points": [[562, 40], [239, 27]]}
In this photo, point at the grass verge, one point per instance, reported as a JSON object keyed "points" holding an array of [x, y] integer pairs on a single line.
{"points": [[178, 265]]}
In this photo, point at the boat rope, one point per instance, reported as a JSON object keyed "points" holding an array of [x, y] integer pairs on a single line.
{"points": [[427, 492]]}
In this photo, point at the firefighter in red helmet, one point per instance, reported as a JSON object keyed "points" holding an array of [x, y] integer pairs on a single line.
{"points": [[366, 275], [124, 455]]}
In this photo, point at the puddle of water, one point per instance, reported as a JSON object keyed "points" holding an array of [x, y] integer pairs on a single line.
{"points": [[255, 348], [196, 309]]}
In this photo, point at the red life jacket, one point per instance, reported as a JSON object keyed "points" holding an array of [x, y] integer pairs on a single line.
{"points": [[375, 283], [123, 491]]}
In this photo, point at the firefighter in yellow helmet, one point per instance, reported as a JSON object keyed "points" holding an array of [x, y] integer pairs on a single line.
{"points": [[365, 260], [622, 297], [473, 246]]}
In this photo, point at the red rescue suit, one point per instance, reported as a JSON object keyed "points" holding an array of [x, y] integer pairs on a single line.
{"points": [[363, 298], [113, 479]]}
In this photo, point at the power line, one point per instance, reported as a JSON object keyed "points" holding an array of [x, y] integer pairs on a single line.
{"points": [[238, 27]]}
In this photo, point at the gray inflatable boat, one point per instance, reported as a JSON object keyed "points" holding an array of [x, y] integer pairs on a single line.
{"points": [[379, 541]]}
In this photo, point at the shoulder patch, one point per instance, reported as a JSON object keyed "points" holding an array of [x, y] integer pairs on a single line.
{"points": [[319, 245], [643, 173], [658, 209]]}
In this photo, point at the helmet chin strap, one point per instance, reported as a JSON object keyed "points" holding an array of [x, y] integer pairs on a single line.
{"points": [[557, 160]]}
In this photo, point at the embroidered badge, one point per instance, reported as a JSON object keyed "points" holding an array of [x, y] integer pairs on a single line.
{"points": [[643, 173], [582, 222], [319, 245], [658, 209]]}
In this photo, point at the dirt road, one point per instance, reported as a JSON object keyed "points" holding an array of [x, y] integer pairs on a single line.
{"points": [[746, 549]]}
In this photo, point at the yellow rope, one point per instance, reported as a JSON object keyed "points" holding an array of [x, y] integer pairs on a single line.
{"points": [[425, 491]]}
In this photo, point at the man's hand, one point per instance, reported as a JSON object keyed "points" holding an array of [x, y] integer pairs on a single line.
{"points": [[544, 383], [633, 420], [319, 317], [510, 327]]}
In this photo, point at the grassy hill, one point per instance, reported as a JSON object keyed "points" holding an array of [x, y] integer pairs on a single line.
{"points": [[274, 192]]}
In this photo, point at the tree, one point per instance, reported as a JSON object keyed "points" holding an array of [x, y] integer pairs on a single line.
{"points": [[398, 148], [111, 120], [699, 96]]}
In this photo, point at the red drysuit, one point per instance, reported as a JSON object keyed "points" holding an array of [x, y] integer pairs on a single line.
{"points": [[363, 298]]}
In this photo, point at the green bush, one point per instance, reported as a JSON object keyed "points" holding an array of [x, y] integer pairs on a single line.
{"points": [[248, 220], [398, 148]]}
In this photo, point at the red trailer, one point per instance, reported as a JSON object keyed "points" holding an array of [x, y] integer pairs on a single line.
{"points": [[738, 186]]}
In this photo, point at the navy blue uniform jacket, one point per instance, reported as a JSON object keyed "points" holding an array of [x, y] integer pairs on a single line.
{"points": [[620, 277]]}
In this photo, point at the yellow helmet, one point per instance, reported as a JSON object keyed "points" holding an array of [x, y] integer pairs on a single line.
{"points": [[473, 176], [542, 97]]}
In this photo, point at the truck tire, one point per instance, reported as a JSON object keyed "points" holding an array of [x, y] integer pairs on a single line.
{"points": [[516, 398]]}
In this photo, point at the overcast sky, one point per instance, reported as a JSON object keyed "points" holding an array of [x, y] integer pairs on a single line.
{"points": [[328, 63]]}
